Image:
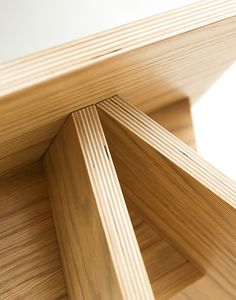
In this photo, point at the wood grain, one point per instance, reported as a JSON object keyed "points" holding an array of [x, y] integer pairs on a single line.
{"points": [[177, 119], [30, 266], [99, 250], [168, 270], [166, 267], [188, 200], [150, 63], [205, 289]]}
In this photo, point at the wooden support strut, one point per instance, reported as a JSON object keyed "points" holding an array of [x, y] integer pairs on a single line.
{"points": [[163, 180], [182, 195], [100, 254]]}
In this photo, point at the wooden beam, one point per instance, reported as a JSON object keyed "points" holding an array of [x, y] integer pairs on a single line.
{"points": [[188, 200], [176, 118], [150, 63], [169, 271], [100, 254]]}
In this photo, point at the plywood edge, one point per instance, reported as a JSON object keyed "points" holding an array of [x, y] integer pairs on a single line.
{"points": [[169, 271], [59, 61], [173, 148], [100, 254], [192, 203], [182, 53]]}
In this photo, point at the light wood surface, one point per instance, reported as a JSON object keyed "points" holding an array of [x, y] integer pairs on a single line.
{"points": [[205, 289], [168, 270], [164, 57], [20, 197], [32, 146], [187, 199], [30, 266], [100, 254], [177, 119]]}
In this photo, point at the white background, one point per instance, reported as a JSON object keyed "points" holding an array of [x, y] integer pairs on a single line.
{"points": [[27, 26]]}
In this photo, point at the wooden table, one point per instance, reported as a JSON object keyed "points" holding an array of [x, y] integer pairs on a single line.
{"points": [[97, 199]]}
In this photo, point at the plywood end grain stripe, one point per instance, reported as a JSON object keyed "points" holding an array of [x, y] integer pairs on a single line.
{"points": [[188, 200], [99, 250], [71, 56], [150, 63], [169, 145]]}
